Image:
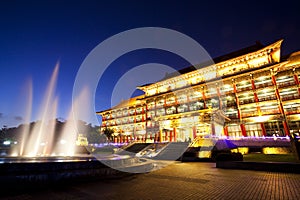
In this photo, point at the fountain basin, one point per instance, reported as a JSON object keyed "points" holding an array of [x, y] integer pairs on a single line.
{"points": [[36, 170]]}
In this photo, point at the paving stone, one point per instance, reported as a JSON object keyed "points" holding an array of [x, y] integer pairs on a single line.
{"points": [[181, 181]]}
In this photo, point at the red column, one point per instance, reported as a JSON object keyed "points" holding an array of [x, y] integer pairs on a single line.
{"points": [[286, 128], [263, 129], [213, 131], [297, 82], [194, 132], [258, 107], [244, 133], [226, 131], [285, 125], [171, 135], [264, 133], [174, 133]]}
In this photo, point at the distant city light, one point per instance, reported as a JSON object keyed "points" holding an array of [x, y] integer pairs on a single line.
{"points": [[7, 142]]}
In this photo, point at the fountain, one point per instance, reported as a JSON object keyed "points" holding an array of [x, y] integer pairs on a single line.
{"points": [[46, 154], [39, 140]]}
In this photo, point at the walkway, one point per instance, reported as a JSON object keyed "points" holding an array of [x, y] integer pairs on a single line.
{"points": [[181, 181]]}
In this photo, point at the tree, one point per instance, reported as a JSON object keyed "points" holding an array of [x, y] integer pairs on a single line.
{"points": [[93, 134], [108, 132], [2, 133]]}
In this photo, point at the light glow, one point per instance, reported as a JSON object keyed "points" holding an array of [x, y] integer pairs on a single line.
{"points": [[6, 142], [261, 118]]}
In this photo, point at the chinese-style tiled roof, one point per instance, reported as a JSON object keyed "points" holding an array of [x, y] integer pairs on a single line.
{"points": [[257, 46]]}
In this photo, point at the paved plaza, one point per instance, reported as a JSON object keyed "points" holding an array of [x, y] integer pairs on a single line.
{"points": [[179, 181]]}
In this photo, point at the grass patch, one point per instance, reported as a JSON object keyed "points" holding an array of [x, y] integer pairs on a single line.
{"points": [[259, 157]]}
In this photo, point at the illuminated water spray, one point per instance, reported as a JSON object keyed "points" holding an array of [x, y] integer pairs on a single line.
{"points": [[40, 140]]}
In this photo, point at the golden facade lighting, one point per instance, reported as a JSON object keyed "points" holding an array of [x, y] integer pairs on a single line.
{"points": [[255, 89]]}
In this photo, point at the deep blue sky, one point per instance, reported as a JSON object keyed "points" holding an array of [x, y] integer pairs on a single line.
{"points": [[34, 35]]}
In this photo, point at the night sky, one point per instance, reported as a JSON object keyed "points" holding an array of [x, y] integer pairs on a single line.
{"points": [[35, 35]]}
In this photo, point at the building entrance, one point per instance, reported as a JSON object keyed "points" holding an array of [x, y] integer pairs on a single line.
{"points": [[184, 134], [203, 130]]}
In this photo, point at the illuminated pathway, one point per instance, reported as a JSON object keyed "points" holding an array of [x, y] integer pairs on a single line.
{"points": [[182, 181]]}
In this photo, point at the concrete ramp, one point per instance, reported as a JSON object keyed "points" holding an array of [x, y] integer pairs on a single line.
{"points": [[172, 151], [133, 149]]}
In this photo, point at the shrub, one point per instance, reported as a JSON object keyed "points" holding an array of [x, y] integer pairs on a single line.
{"points": [[229, 157]]}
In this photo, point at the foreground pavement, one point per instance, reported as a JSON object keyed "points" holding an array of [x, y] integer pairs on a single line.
{"points": [[178, 181]]}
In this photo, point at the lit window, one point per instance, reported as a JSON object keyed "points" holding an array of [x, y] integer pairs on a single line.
{"points": [[181, 83], [151, 92], [171, 110]]}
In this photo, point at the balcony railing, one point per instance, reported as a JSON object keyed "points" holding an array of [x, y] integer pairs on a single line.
{"points": [[244, 89], [291, 97], [269, 112], [264, 85], [246, 101], [292, 111], [268, 98], [249, 114], [285, 84]]}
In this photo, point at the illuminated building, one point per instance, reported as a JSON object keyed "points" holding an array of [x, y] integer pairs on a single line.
{"points": [[253, 92], [81, 140], [127, 119]]}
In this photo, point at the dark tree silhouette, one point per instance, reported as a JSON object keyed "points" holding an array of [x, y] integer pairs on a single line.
{"points": [[108, 132]]}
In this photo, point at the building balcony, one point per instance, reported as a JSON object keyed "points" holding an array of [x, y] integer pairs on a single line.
{"points": [[291, 97], [291, 112], [267, 98], [270, 112], [264, 85], [249, 115], [247, 101], [285, 84], [230, 104], [244, 89]]}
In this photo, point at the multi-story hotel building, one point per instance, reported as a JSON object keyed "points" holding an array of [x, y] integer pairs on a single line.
{"points": [[127, 119], [253, 92]]}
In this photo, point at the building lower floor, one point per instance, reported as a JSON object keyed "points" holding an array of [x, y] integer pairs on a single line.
{"points": [[187, 129]]}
